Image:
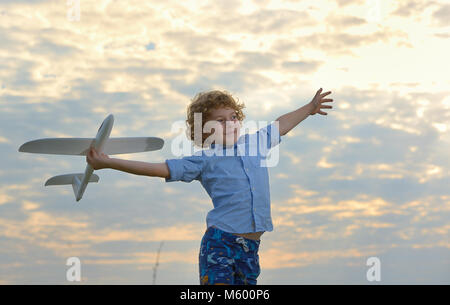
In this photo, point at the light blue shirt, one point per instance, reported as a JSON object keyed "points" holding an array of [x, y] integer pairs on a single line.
{"points": [[236, 179]]}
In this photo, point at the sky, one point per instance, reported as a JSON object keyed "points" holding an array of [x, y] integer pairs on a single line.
{"points": [[370, 179]]}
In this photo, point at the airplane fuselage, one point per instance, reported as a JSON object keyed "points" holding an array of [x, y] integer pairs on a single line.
{"points": [[102, 135]]}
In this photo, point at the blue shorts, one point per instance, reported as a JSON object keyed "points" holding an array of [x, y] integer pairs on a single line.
{"points": [[226, 258]]}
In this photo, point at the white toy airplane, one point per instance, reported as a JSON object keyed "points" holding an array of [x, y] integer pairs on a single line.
{"points": [[80, 147]]}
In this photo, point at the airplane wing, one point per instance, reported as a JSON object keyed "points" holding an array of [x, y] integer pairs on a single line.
{"points": [[80, 146], [115, 146]]}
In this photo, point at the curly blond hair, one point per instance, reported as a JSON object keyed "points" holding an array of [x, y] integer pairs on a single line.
{"points": [[204, 103]]}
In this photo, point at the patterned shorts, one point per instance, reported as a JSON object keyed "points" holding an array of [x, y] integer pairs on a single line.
{"points": [[226, 258]]}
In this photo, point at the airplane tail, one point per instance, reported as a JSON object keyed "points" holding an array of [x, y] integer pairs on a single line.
{"points": [[74, 179]]}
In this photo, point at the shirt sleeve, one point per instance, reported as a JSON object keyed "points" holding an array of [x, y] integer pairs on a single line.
{"points": [[185, 169], [269, 136]]}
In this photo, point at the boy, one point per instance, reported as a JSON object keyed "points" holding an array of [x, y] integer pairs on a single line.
{"points": [[237, 183]]}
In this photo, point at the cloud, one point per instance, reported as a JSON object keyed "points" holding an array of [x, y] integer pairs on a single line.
{"points": [[46, 47], [341, 43], [276, 258], [411, 8], [339, 22], [343, 3], [196, 44], [417, 8], [302, 66], [443, 35], [442, 15], [260, 22]]}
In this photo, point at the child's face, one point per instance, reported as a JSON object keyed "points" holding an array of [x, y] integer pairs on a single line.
{"points": [[227, 119]]}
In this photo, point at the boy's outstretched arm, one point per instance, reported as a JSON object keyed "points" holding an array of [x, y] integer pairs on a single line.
{"points": [[100, 160], [292, 119]]}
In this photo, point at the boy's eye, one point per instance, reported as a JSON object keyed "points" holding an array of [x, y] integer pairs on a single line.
{"points": [[233, 116]]}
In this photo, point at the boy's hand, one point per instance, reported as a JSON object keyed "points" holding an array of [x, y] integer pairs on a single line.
{"points": [[96, 160], [318, 100]]}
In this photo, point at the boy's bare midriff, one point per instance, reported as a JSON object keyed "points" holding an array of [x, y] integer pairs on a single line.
{"points": [[254, 236]]}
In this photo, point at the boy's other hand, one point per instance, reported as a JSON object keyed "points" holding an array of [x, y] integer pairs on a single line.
{"points": [[318, 100], [97, 160]]}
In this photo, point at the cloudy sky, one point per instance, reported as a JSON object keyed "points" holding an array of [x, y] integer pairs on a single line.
{"points": [[370, 179]]}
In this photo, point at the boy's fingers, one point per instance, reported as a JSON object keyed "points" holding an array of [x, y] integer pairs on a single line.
{"points": [[92, 153]]}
